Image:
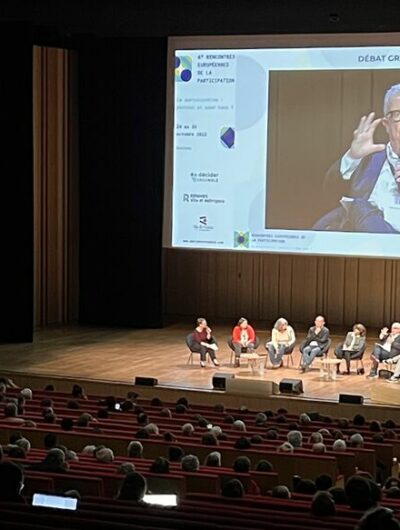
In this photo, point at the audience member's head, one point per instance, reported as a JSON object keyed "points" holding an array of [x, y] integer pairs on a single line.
{"points": [[242, 443], [26, 393], [15, 451], [264, 466], [375, 426], [156, 402], [49, 388], [233, 489], [356, 440], [393, 492], [133, 488], [389, 424], [306, 487], [175, 453], [11, 410], [272, 434], [209, 439], [339, 446], [169, 436], [281, 492], [84, 419], [261, 418], [142, 434], [323, 482], [160, 465], [239, 425], [213, 459], [152, 429], [323, 504], [180, 408], [142, 419], [104, 455], [135, 449], [78, 392], [358, 492], [295, 438], [256, 439], [24, 444], [182, 401], [242, 464], [166, 413], [389, 434], [216, 430], [190, 463], [319, 448], [125, 468], [338, 494], [187, 429], [379, 518], [286, 447], [378, 438], [67, 424], [359, 420], [50, 440], [304, 419], [229, 419], [390, 482], [315, 438], [343, 423]]}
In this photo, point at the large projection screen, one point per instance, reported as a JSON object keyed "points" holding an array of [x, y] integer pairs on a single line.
{"points": [[285, 144]]}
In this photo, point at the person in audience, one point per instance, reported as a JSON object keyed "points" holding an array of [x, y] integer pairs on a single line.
{"points": [[393, 493], [281, 343], [78, 392], [84, 420], [166, 413], [213, 459], [242, 443], [50, 440], [187, 429], [391, 482], [319, 448], [11, 414], [256, 439], [356, 440], [295, 438], [379, 518], [323, 482], [243, 338], [11, 483], [387, 348], [359, 492], [375, 426], [125, 468], [315, 344], [209, 438], [389, 434], [233, 489], [339, 495], [104, 455], [142, 434], [133, 488], [183, 401], [339, 446], [264, 466], [24, 444], [359, 420], [54, 462], [89, 450], [175, 453], [14, 451], [281, 492], [389, 424], [67, 424], [135, 449], [190, 463], [239, 425], [203, 342], [169, 436], [216, 431], [152, 429], [160, 465], [26, 393], [304, 419], [180, 408], [324, 432], [242, 464], [73, 404], [305, 486], [142, 419], [353, 346], [323, 504], [229, 419], [286, 447], [315, 438], [272, 434], [261, 419]]}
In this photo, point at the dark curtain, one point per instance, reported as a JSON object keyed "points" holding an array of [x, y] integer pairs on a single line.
{"points": [[16, 209], [122, 122]]}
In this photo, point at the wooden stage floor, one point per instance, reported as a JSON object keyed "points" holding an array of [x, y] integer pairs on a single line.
{"points": [[118, 355]]}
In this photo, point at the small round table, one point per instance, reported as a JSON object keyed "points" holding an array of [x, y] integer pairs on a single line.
{"points": [[255, 361], [328, 368]]}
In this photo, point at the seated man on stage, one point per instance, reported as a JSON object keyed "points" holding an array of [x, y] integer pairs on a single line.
{"points": [[388, 348], [203, 342], [243, 339], [369, 175], [353, 346], [316, 343], [281, 343]]}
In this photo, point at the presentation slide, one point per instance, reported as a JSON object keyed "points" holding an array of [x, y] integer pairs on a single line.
{"points": [[287, 150]]}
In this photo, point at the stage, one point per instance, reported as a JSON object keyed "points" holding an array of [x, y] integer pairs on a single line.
{"points": [[119, 355]]}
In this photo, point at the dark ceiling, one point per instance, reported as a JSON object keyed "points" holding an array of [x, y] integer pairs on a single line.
{"points": [[67, 21]]}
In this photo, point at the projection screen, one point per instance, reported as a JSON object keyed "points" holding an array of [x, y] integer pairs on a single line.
{"points": [[284, 144]]}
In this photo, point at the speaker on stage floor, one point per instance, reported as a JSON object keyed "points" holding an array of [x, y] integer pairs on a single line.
{"points": [[291, 386], [146, 381], [351, 398], [219, 380]]}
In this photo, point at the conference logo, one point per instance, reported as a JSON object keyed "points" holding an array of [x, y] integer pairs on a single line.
{"points": [[241, 239], [183, 68], [227, 137], [202, 224]]}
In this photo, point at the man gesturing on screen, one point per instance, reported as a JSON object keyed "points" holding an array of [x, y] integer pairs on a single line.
{"points": [[371, 172]]}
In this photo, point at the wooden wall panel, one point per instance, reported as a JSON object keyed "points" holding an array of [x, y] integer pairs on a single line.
{"points": [[56, 186], [263, 287]]}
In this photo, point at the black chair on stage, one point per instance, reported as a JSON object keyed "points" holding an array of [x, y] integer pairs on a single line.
{"points": [[189, 344], [288, 354], [357, 358], [324, 352]]}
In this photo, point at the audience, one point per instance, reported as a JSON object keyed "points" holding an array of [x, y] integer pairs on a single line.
{"points": [[133, 488], [11, 482]]}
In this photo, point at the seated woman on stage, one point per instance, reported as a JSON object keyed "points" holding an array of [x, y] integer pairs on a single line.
{"points": [[353, 346], [243, 339], [316, 343], [282, 341], [388, 347], [203, 342]]}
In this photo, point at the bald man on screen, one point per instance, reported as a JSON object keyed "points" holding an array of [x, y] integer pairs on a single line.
{"points": [[371, 172]]}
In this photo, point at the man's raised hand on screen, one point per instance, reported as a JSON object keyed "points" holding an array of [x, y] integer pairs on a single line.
{"points": [[363, 137]]}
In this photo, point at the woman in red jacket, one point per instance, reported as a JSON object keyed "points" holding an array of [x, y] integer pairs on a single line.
{"points": [[243, 338]]}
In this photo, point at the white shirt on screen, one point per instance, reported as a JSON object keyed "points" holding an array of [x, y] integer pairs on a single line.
{"points": [[385, 194]]}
